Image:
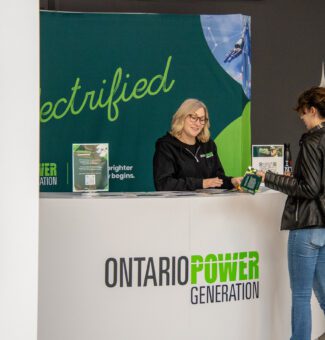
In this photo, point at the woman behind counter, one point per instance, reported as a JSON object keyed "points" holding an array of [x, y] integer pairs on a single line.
{"points": [[186, 158]]}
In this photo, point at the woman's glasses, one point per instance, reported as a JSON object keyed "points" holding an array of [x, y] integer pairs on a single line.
{"points": [[195, 118]]}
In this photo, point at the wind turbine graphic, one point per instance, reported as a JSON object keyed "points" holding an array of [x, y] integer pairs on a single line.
{"points": [[322, 82]]}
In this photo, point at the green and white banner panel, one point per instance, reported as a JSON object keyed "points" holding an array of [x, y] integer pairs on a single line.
{"points": [[178, 268], [117, 79]]}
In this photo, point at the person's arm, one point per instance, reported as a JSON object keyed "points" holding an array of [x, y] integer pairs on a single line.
{"points": [[310, 183], [165, 173]]}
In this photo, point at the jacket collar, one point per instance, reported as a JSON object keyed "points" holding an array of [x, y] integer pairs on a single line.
{"points": [[309, 132], [317, 127]]}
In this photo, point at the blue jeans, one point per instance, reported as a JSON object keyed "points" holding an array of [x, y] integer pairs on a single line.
{"points": [[306, 260]]}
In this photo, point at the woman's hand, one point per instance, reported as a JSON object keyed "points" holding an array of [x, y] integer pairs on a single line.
{"points": [[261, 174], [236, 181], [212, 183]]}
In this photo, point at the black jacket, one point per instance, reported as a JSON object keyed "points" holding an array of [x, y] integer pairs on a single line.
{"points": [[179, 167], [305, 190]]}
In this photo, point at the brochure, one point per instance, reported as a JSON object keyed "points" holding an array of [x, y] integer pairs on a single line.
{"points": [[90, 167], [268, 157]]}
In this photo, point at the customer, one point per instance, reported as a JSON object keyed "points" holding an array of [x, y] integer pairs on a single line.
{"points": [[304, 213], [186, 158]]}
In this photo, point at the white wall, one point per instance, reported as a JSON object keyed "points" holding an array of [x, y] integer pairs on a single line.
{"points": [[19, 154]]}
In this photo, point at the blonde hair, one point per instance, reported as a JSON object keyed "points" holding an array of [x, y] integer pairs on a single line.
{"points": [[189, 106]]}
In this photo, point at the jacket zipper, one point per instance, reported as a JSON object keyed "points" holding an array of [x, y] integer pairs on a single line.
{"points": [[194, 155], [297, 210]]}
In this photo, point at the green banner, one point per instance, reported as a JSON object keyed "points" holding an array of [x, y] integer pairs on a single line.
{"points": [[119, 78]]}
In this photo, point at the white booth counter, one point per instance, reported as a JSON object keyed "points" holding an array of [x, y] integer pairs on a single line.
{"points": [[179, 266]]}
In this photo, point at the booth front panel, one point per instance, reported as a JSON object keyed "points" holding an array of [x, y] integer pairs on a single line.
{"points": [[157, 268]]}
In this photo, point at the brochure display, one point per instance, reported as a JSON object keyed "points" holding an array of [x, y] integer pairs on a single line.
{"points": [[268, 157], [90, 167]]}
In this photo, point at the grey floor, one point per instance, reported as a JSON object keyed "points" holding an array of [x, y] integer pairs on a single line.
{"points": [[322, 337]]}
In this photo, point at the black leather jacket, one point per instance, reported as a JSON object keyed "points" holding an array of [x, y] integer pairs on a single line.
{"points": [[305, 205]]}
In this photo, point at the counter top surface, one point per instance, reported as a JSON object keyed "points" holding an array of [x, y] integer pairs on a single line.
{"points": [[154, 194]]}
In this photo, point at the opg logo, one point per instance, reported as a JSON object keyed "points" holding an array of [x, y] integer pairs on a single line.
{"points": [[48, 174]]}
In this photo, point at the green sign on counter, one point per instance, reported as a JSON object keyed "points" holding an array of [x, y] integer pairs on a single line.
{"points": [[90, 167]]}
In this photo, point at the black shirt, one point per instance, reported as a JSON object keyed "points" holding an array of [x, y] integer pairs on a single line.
{"points": [[178, 166]]}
